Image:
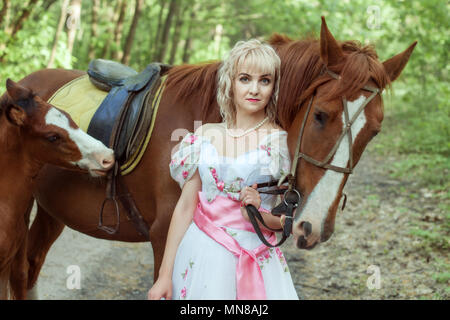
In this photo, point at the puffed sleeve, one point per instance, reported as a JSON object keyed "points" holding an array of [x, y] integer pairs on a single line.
{"points": [[280, 160], [184, 161], [279, 165]]}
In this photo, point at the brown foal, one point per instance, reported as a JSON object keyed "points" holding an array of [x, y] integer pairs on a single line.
{"points": [[33, 133]]}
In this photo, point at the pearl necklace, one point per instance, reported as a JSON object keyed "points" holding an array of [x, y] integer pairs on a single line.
{"points": [[246, 131]]}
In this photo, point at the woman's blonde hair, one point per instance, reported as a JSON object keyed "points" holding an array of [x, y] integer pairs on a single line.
{"points": [[256, 54]]}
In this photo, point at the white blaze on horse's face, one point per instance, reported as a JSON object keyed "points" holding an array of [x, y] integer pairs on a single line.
{"points": [[325, 192], [95, 156]]}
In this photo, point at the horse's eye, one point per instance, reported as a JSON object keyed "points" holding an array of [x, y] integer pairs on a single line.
{"points": [[53, 138], [320, 117]]}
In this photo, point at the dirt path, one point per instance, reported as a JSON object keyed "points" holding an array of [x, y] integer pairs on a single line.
{"points": [[371, 235]]}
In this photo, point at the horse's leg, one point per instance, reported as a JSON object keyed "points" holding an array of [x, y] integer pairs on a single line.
{"points": [[158, 241], [4, 282], [158, 231], [19, 271], [43, 233]]}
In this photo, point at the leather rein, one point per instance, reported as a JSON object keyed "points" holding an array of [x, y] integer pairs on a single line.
{"points": [[291, 196]]}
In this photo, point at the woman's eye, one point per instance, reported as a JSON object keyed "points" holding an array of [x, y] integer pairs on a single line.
{"points": [[53, 138], [265, 81], [243, 79]]}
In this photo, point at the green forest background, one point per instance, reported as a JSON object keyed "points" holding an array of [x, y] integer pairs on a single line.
{"points": [[37, 34]]}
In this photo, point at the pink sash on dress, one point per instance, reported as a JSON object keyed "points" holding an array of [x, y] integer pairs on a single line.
{"points": [[226, 212]]}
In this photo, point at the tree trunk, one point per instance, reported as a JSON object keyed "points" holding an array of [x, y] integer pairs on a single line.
{"points": [[18, 24], [94, 33], [47, 4], [132, 32], [173, 8], [118, 53], [73, 23], [157, 45], [188, 42], [4, 12], [176, 33], [59, 29], [112, 14]]}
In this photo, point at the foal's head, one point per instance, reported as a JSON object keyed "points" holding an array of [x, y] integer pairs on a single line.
{"points": [[49, 135], [342, 71]]}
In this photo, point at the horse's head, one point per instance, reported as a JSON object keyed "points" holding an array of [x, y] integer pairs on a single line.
{"points": [[49, 135], [340, 112]]}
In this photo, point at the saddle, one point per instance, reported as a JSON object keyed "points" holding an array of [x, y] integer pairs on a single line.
{"points": [[122, 122], [122, 119]]}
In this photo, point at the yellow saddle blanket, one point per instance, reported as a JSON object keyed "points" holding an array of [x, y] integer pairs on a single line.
{"points": [[81, 99]]}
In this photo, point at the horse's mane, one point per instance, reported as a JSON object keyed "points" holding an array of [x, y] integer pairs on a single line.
{"points": [[301, 67], [199, 80]]}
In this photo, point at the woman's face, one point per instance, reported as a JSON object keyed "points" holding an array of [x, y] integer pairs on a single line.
{"points": [[252, 89]]}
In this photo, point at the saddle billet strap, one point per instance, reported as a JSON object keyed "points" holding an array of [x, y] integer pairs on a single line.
{"points": [[131, 209]]}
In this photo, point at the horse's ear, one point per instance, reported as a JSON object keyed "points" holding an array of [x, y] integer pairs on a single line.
{"points": [[21, 99], [394, 66], [277, 39], [330, 51]]}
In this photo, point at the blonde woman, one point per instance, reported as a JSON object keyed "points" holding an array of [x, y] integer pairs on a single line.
{"points": [[212, 251]]}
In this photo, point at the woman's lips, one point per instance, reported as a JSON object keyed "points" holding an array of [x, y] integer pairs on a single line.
{"points": [[253, 100]]}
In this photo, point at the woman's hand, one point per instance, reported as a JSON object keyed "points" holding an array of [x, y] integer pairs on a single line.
{"points": [[249, 195], [162, 288]]}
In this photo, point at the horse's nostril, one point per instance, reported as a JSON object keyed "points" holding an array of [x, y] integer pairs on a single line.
{"points": [[307, 227], [301, 242], [107, 162]]}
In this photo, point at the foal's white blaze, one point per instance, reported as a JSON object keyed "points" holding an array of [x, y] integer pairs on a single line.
{"points": [[89, 147], [325, 192]]}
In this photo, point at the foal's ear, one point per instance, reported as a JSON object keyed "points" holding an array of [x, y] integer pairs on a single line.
{"points": [[330, 50], [17, 92], [22, 99]]}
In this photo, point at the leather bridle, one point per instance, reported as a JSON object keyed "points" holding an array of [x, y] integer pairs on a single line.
{"points": [[292, 196]]}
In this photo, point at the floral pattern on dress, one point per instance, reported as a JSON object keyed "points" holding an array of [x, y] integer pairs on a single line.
{"points": [[184, 276], [282, 259], [277, 149], [185, 160], [266, 147], [265, 257], [231, 189]]}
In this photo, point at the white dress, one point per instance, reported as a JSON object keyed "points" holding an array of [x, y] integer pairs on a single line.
{"points": [[205, 266]]}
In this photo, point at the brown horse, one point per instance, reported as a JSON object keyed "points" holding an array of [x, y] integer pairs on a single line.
{"points": [[33, 133], [68, 198]]}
